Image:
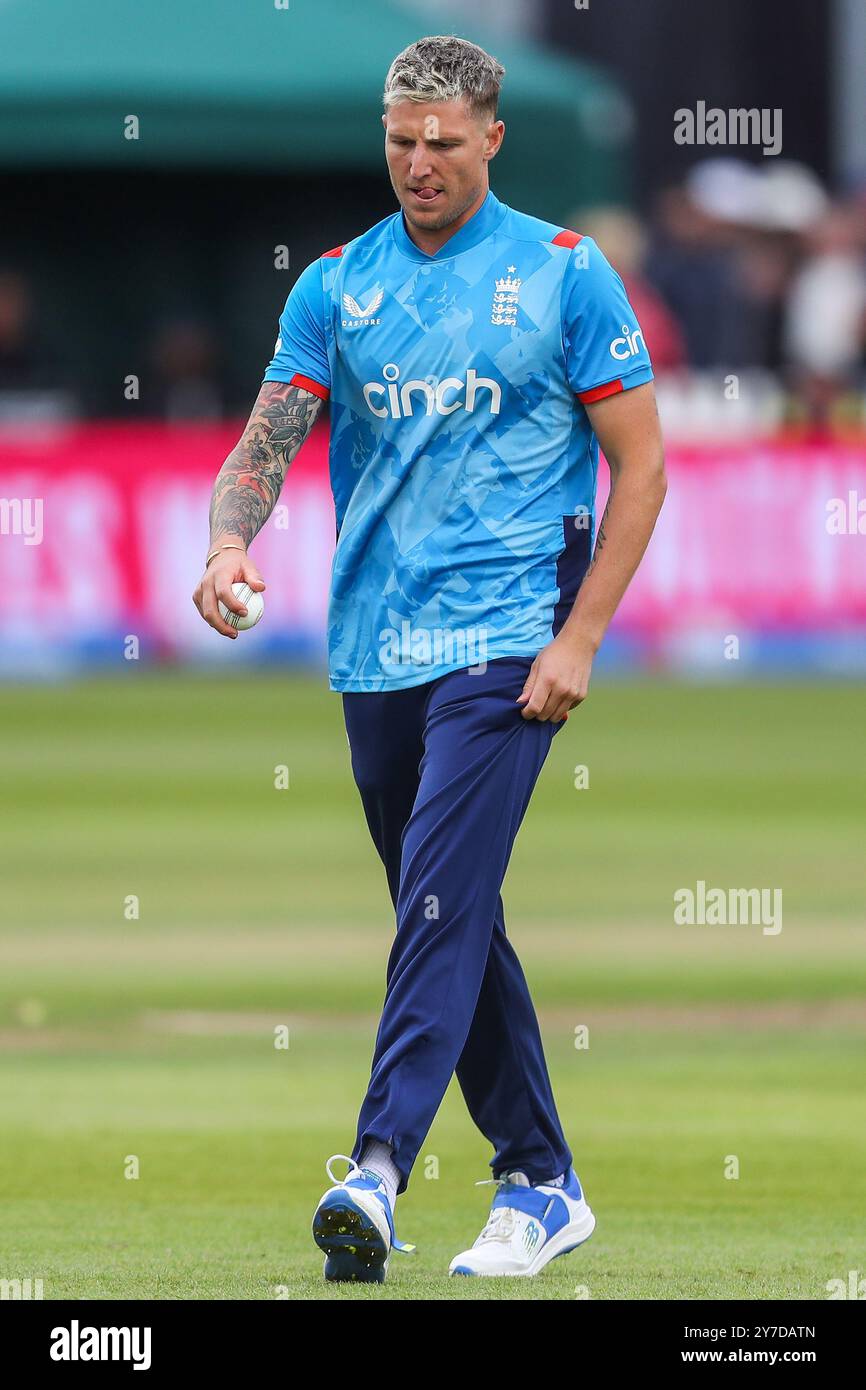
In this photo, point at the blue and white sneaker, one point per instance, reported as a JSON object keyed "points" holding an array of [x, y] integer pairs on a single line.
{"points": [[528, 1227], [354, 1225]]}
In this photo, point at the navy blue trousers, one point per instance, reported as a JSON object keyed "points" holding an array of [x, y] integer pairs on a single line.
{"points": [[445, 771]]}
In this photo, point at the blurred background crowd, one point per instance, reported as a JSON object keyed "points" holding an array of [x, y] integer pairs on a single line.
{"points": [[737, 269]]}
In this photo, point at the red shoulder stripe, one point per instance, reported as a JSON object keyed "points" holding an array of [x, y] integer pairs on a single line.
{"points": [[567, 238], [337, 251], [306, 383], [598, 393]]}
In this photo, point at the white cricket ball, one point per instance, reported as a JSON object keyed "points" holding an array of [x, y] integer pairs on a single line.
{"points": [[253, 602]]}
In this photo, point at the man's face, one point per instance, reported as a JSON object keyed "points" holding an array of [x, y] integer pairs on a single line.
{"points": [[437, 157]]}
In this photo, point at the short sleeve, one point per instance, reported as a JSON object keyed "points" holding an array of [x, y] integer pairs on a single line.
{"points": [[604, 347], [300, 353]]}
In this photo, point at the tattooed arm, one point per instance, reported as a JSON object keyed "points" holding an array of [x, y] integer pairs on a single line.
{"points": [[628, 432], [246, 491]]}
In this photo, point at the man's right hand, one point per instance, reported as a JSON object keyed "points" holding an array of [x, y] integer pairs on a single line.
{"points": [[215, 586]]}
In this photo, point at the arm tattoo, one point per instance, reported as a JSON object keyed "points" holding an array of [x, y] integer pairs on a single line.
{"points": [[251, 479], [600, 538]]}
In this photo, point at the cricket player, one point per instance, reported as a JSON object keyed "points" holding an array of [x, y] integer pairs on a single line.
{"points": [[473, 358]]}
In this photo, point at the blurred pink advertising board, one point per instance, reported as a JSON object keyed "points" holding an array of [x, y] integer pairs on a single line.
{"points": [[103, 532]]}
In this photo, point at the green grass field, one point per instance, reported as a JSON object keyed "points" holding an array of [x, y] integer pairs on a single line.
{"points": [[154, 1037]]}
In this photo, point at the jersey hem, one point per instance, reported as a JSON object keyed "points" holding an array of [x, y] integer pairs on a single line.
{"points": [[429, 674]]}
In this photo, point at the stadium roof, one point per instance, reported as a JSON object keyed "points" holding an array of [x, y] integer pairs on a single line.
{"points": [[226, 83]]}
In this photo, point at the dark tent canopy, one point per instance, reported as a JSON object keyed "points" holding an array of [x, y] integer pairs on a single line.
{"points": [[250, 86]]}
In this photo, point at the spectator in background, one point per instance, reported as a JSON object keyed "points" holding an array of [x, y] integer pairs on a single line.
{"points": [[691, 264], [728, 243], [185, 358], [789, 198], [22, 364], [825, 324], [624, 242], [34, 387]]}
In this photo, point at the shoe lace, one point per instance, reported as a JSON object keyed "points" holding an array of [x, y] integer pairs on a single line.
{"points": [[500, 1222], [500, 1225], [354, 1170]]}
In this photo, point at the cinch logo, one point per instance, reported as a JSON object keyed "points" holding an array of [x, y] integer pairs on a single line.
{"points": [[627, 346], [441, 396]]}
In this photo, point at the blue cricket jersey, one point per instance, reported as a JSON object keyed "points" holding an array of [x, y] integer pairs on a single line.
{"points": [[462, 461]]}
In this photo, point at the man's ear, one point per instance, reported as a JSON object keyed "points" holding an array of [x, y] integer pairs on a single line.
{"points": [[385, 120], [495, 136]]}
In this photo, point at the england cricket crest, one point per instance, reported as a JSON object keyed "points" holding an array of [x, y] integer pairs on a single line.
{"points": [[506, 299]]}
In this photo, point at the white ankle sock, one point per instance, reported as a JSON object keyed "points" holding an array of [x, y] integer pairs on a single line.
{"points": [[519, 1178], [377, 1157]]}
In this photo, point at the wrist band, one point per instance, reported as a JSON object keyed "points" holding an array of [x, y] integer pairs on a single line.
{"points": [[223, 547]]}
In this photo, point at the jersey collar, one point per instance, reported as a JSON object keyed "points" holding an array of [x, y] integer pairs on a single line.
{"points": [[479, 226]]}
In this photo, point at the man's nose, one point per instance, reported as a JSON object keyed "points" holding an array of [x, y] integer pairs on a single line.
{"points": [[421, 164]]}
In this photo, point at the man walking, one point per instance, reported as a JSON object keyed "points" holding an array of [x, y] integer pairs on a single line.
{"points": [[473, 358]]}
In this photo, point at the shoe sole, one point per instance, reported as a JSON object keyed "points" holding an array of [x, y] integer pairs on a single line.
{"points": [[354, 1249], [566, 1240]]}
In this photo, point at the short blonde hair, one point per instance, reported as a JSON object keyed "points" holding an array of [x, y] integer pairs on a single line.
{"points": [[442, 67]]}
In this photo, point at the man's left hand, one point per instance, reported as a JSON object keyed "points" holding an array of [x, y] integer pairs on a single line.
{"points": [[558, 680]]}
